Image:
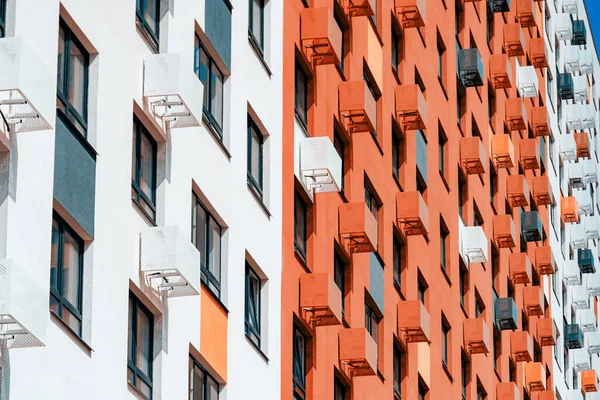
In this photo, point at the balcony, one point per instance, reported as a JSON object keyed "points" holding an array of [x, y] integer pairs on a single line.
{"points": [[571, 58], [170, 261], [585, 258], [593, 342], [529, 154], [580, 298], [358, 109], [584, 201], [540, 121], [411, 13], [569, 210], [514, 40], [320, 165], [358, 228], [470, 67], [527, 81], [521, 346], [570, 6], [575, 174], [320, 300], [574, 394], [567, 149], [472, 155], [571, 273], [535, 376], [546, 395], [503, 151], [361, 8], [508, 391], [412, 213], [24, 312], [580, 89], [589, 381], [563, 26], [581, 360], [411, 107], [565, 87], [499, 6], [544, 260], [517, 191], [505, 232], [500, 71], [515, 114], [537, 53], [413, 321], [358, 352], [586, 319], [533, 300], [586, 61], [519, 268], [321, 37], [546, 331], [578, 238], [474, 244], [542, 192], [476, 336], [573, 337], [588, 119], [525, 13], [592, 283], [579, 33], [531, 226], [505, 313], [573, 117]]}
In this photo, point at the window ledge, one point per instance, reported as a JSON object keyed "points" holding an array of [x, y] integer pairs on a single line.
{"points": [[143, 213], [444, 181], [301, 259], [259, 53], [443, 88], [259, 200], [446, 275], [464, 310], [78, 340], [218, 138], [258, 350], [399, 290], [146, 36], [447, 371], [135, 391]]}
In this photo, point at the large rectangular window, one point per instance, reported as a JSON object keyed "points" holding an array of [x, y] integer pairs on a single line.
{"points": [[300, 225], [143, 170], [397, 50], [66, 275], [340, 147], [371, 322], [398, 261], [445, 343], [397, 374], [213, 80], [372, 203], [339, 271], [301, 95], [72, 79], [202, 385], [255, 157], [148, 19], [2, 18], [444, 244], [139, 347], [339, 390], [252, 320], [206, 236], [256, 23], [299, 365], [368, 78]]}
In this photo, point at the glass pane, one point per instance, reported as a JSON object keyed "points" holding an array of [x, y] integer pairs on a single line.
{"points": [[134, 153], [142, 387], [203, 74], [147, 163], [71, 320], [301, 90], [61, 61], [198, 389], [130, 331], [216, 94], [71, 278], [54, 305], [151, 15], [213, 390], [201, 234], [255, 151], [144, 343], [257, 21], [54, 256], [77, 79], [214, 255]]}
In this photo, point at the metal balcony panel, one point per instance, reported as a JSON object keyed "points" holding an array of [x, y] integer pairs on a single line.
{"points": [[320, 35], [571, 273], [581, 360], [573, 336], [580, 298], [575, 174], [527, 81], [579, 33], [586, 61], [593, 342], [587, 320], [565, 86], [563, 26], [505, 313], [586, 261], [411, 13], [573, 117], [580, 89], [470, 67], [584, 201], [474, 244], [590, 224], [571, 58], [570, 6], [588, 116], [577, 236], [531, 226], [499, 6], [592, 284], [590, 174], [320, 165]]}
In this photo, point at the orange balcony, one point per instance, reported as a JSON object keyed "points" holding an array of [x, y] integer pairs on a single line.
{"points": [[569, 212], [507, 391], [521, 346], [514, 40], [535, 376], [503, 151], [472, 155], [411, 13], [542, 193], [533, 300], [515, 114], [412, 213], [519, 268], [546, 331], [539, 120], [544, 261], [411, 107], [361, 8], [320, 299], [525, 13], [358, 228], [517, 191], [589, 381], [530, 154], [358, 351], [546, 395], [505, 232], [321, 37], [537, 52], [413, 321], [358, 109], [500, 71], [476, 336], [582, 142]]}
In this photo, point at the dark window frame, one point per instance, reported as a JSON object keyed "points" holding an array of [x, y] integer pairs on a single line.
{"points": [[339, 276], [397, 372], [255, 182], [445, 343], [138, 306], [142, 197], [340, 147], [140, 9], [207, 277], [212, 68], [2, 18], [259, 42], [339, 390], [252, 320], [398, 260], [206, 380], [299, 364], [301, 115], [372, 321], [300, 225]]}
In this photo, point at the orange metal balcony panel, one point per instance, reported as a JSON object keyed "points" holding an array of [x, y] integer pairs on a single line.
{"points": [[589, 381], [320, 299], [515, 114], [546, 395], [411, 13], [507, 391], [361, 8], [476, 336], [582, 142], [503, 151], [472, 155], [412, 213], [505, 231], [521, 346], [213, 335], [544, 260], [525, 13], [539, 121], [411, 107], [519, 268], [535, 376], [533, 300], [358, 227], [542, 193], [358, 350], [321, 36], [530, 154], [517, 191], [546, 331], [413, 321], [500, 71], [569, 210], [537, 52], [358, 109], [514, 39]]}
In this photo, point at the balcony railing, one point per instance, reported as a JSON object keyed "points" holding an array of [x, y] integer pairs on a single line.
{"points": [[470, 67]]}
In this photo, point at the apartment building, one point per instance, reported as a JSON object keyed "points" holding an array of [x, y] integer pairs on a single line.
{"points": [[140, 210]]}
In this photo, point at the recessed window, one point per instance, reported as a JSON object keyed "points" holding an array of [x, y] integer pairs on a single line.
{"points": [[206, 236], [213, 80], [148, 19], [422, 289], [370, 81], [143, 173], [442, 56], [338, 16], [481, 394], [491, 105], [372, 203], [300, 225], [443, 151], [463, 284], [253, 286], [373, 17], [339, 390], [299, 365], [490, 27], [2, 18], [479, 307], [72, 82], [255, 157], [139, 347], [339, 276], [397, 50], [398, 156], [372, 322], [464, 376], [445, 342], [340, 147], [301, 95], [497, 348], [444, 244], [461, 103], [256, 23], [399, 256], [423, 391], [202, 385], [398, 360], [66, 275]]}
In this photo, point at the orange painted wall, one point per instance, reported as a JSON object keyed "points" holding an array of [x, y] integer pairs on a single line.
{"points": [[213, 335]]}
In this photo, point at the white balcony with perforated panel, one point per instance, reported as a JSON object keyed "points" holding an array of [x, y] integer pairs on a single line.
{"points": [[571, 58], [574, 395], [573, 117], [527, 81], [170, 261], [567, 148], [571, 273], [563, 26], [320, 165], [587, 320], [588, 116], [474, 244], [24, 308], [593, 342], [580, 88], [586, 61], [592, 283], [590, 174], [174, 93], [575, 173], [590, 224], [584, 202], [580, 297], [577, 236], [570, 6], [581, 360]]}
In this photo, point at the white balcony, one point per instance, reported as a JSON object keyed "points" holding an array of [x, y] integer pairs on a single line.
{"points": [[571, 58], [592, 283], [174, 93], [320, 165], [574, 395], [593, 342], [581, 360], [580, 298], [570, 6], [584, 202], [575, 173], [563, 26], [170, 261], [580, 88], [586, 61], [590, 224], [24, 308], [474, 244], [571, 273], [587, 320], [590, 174], [573, 117], [588, 116], [567, 147], [577, 236], [27, 88], [527, 81]]}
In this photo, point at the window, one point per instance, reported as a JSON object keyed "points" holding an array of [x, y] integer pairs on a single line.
{"points": [[463, 284], [398, 373], [399, 257], [338, 20], [397, 153], [444, 244], [479, 307], [374, 92], [461, 103], [299, 362], [373, 17], [72, 82], [256, 23], [148, 19], [339, 390], [300, 225], [397, 50], [422, 392], [202, 385], [481, 394], [422, 288], [441, 50], [493, 183], [139, 347], [372, 204], [66, 275], [372, 322], [340, 147], [252, 320], [301, 95], [339, 271], [491, 105], [464, 376], [443, 151], [490, 28], [497, 348], [2, 18], [255, 157], [206, 236], [212, 79], [143, 173], [463, 195], [445, 342]]}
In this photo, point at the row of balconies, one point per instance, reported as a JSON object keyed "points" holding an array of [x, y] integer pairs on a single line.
{"points": [[473, 156], [572, 88], [578, 60], [579, 117], [568, 29]]}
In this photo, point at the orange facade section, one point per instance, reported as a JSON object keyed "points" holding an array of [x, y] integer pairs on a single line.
{"points": [[589, 381], [546, 331], [320, 300], [358, 110], [213, 335]]}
